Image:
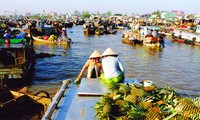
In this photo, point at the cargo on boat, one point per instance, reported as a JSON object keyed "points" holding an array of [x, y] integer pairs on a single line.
{"points": [[76, 102], [94, 100]]}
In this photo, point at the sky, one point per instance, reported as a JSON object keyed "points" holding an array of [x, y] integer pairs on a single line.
{"points": [[93, 6]]}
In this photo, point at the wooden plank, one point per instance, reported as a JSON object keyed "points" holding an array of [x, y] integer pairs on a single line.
{"points": [[92, 87]]}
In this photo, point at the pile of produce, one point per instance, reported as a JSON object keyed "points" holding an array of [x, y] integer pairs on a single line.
{"points": [[136, 102]]}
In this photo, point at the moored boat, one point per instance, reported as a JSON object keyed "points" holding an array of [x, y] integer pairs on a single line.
{"points": [[41, 40], [99, 31], [16, 62], [110, 31], [131, 38], [178, 40], [184, 36], [128, 41], [151, 41], [18, 105]]}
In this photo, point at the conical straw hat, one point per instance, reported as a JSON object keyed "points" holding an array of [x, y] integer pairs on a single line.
{"points": [[109, 51], [95, 54], [63, 28]]}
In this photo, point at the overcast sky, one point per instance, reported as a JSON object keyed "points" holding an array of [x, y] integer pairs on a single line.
{"points": [[115, 6]]}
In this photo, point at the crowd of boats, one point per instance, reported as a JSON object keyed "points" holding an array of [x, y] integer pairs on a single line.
{"points": [[17, 57]]}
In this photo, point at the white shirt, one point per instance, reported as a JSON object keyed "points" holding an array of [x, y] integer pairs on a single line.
{"points": [[112, 67], [154, 33]]}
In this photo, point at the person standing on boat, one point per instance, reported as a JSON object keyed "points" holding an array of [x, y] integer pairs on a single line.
{"points": [[93, 67], [7, 36], [161, 41], [154, 33], [113, 68]]}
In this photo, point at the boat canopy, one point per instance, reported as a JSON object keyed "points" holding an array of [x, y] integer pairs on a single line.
{"points": [[13, 41]]}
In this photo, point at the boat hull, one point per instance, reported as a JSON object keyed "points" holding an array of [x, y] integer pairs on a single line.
{"points": [[151, 42], [111, 32], [17, 105], [42, 41]]}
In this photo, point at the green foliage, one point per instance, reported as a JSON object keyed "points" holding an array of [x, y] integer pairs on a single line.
{"points": [[85, 14], [117, 14], [156, 12], [108, 14]]}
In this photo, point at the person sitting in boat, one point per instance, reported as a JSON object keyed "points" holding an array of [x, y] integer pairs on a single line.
{"points": [[113, 69], [93, 67], [149, 34], [64, 33]]}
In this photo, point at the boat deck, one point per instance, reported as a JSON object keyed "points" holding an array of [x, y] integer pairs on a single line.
{"points": [[79, 100]]}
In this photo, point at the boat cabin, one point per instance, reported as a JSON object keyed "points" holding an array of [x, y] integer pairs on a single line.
{"points": [[147, 29], [186, 35], [12, 55], [197, 29], [16, 60]]}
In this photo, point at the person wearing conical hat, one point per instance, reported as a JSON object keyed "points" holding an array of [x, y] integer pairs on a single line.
{"points": [[93, 67], [64, 33], [113, 69]]}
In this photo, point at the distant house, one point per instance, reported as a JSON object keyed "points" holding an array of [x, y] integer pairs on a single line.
{"points": [[179, 13], [168, 16]]}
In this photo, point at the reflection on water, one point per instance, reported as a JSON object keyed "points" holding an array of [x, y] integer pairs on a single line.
{"points": [[176, 65]]}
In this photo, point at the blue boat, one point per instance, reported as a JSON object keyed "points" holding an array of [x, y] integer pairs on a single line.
{"points": [[76, 102]]}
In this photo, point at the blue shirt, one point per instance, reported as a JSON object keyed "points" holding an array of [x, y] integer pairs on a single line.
{"points": [[7, 36]]}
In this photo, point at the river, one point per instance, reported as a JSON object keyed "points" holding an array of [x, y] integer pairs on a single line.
{"points": [[176, 65]]}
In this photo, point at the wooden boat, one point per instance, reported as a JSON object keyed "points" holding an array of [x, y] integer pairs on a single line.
{"points": [[89, 32], [128, 41], [110, 31], [17, 105], [132, 41], [89, 29], [77, 102], [151, 41], [68, 24], [131, 38], [186, 41], [16, 62], [184, 36], [99, 31], [38, 40], [178, 40]]}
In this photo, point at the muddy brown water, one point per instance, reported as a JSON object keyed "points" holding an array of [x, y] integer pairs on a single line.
{"points": [[176, 65]]}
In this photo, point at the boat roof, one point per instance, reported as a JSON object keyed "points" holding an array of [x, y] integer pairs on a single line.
{"points": [[14, 43]]}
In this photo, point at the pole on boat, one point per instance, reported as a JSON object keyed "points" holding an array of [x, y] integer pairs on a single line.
{"points": [[56, 100]]}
